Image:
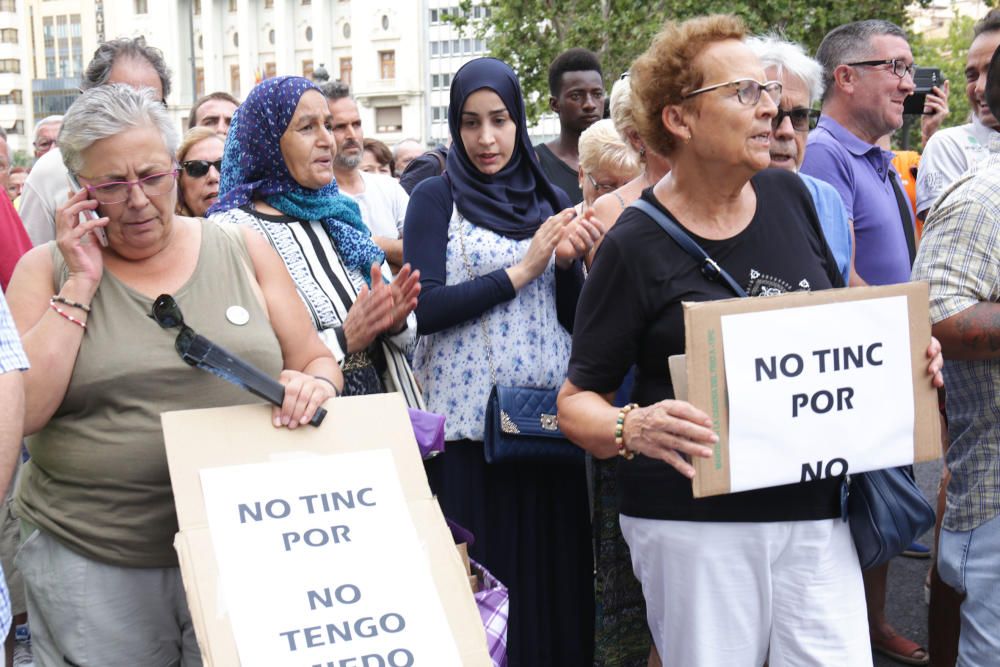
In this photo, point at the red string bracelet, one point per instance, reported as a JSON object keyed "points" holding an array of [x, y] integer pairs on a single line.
{"points": [[65, 315]]}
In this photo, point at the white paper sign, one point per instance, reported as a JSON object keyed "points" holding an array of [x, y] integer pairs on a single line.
{"points": [[818, 390], [320, 565]]}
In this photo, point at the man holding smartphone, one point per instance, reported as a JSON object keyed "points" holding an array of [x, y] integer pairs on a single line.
{"points": [[952, 151]]}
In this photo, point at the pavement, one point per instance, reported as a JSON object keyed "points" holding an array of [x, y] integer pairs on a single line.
{"points": [[905, 605]]}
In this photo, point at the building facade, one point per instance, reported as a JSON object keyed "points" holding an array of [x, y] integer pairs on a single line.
{"points": [[398, 56]]}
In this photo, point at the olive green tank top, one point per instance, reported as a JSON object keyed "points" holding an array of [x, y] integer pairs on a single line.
{"points": [[98, 479]]}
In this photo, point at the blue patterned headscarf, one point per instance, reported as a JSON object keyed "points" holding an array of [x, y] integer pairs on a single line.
{"points": [[254, 168]]}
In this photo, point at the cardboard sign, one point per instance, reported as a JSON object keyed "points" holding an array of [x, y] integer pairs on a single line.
{"points": [[317, 547], [809, 385]]}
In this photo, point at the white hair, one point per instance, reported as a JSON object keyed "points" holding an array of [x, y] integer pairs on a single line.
{"points": [[621, 106], [103, 112], [789, 58], [48, 120], [602, 147]]}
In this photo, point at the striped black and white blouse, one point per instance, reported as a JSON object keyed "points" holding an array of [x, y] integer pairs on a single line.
{"points": [[328, 288]]}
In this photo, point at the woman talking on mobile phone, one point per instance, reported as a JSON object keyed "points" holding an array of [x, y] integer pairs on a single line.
{"points": [[101, 575]]}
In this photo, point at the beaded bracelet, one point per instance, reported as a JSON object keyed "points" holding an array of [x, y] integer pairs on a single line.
{"points": [[65, 315], [623, 451], [336, 392], [73, 304]]}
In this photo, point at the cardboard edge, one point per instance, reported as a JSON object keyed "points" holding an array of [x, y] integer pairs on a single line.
{"points": [[712, 475], [926, 415]]}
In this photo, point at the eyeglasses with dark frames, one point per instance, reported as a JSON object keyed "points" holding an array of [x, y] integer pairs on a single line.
{"points": [[115, 192], [802, 118], [202, 353], [198, 168], [899, 67], [601, 188], [747, 90]]}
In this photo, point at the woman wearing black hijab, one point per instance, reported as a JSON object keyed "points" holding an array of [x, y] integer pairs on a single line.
{"points": [[497, 297]]}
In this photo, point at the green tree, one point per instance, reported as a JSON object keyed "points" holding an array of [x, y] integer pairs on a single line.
{"points": [[948, 54], [528, 34]]}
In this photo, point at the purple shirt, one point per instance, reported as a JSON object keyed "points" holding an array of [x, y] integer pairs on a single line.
{"points": [[860, 173]]}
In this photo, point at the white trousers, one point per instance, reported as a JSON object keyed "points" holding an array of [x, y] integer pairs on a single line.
{"points": [[735, 594]]}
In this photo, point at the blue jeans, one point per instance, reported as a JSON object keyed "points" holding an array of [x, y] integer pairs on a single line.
{"points": [[969, 562]]}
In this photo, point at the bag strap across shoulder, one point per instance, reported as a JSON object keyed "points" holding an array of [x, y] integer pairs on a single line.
{"points": [[709, 268]]}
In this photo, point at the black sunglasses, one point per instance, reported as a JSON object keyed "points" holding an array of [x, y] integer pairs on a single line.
{"points": [[803, 119], [198, 168], [200, 352]]}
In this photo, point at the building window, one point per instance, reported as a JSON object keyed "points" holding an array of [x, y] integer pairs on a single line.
{"points": [[141, 7], [270, 70], [387, 64], [270, 36], [8, 5], [434, 17], [196, 7], [199, 81], [439, 113], [234, 80], [466, 46], [347, 31], [232, 6], [307, 68], [385, 22], [201, 40], [434, 48], [8, 36], [15, 97], [306, 2], [435, 81], [12, 65], [388, 119], [268, 4], [445, 47], [309, 34], [236, 39], [346, 65]]}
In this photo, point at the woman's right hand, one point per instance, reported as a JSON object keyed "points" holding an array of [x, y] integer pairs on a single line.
{"points": [[668, 430], [543, 245], [370, 314], [77, 241]]}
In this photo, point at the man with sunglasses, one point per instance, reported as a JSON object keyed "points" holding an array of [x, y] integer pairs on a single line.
{"points": [[868, 73], [801, 80]]}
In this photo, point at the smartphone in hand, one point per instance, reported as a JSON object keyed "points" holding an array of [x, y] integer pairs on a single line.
{"points": [[102, 236]]}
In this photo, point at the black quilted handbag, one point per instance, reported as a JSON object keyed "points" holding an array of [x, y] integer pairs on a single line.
{"points": [[521, 422], [887, 511], [522, 426]]}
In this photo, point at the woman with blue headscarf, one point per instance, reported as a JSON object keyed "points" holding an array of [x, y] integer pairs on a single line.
{"points": [[499, 299], [277, 177]]}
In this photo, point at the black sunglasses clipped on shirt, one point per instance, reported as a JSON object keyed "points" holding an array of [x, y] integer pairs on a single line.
{"points": [[202, 353], [198, 168]]}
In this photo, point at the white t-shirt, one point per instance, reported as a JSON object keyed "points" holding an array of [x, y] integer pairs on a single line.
{"points": [[947, 155], [46, 189], [383, 205]]}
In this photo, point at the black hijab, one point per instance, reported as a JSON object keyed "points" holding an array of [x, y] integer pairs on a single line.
{"points": [[515, 201]]}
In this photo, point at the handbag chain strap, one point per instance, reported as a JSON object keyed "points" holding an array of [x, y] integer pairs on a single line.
{"points": [[482, 320]]}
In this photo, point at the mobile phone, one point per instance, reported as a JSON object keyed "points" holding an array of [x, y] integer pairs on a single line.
{"points": [[90, 214], [924, 79]]}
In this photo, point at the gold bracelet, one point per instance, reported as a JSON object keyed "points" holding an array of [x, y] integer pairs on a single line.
{"points": [[623, 451]]}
